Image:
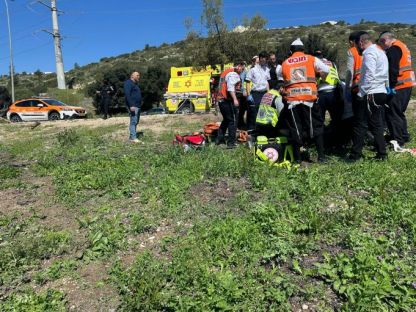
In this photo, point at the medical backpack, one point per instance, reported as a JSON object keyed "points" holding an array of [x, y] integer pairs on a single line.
{"points": [[273, 151]]}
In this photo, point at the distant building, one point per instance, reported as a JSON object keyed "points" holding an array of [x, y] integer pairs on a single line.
{"points": [[329, 22], [240, 29]]}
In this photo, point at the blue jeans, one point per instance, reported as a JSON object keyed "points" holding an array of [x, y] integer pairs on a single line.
{"points": [[134, 121]]}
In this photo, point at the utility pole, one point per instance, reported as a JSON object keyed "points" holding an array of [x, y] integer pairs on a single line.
{"points": [[60, 73], [10, 50]]}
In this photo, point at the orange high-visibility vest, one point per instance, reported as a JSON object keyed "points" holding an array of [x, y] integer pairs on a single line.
{"points": [[406, 78], [358, 61], [223, 94], [300, 78]]}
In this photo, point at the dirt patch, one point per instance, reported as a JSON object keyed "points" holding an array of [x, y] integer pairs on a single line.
{"points": [[149, 241], [155, 123], [220, 191], [324, 299], [36, 199], [89, 292]]}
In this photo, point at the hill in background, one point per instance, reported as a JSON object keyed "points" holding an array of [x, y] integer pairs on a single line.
{"points": [[334, 38]]}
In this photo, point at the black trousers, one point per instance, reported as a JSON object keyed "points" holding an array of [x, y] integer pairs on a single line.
{"points": [[105, 106], [328, 102], [368, 114], [305, 123], [229, 122], [395, 115], [253, 108], [242, 109]]}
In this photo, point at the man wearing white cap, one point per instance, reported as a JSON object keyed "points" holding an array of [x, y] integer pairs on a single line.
{"points": [[300, 92]]}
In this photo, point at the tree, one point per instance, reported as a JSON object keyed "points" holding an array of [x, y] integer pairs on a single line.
{"points": [[223, 46], [312, 42], [212, 17], [5, 101], [153, 85], [315, 42]]}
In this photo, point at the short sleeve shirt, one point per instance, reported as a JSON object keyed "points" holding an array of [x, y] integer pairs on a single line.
{"points": [[232, 79], [259, 76]]}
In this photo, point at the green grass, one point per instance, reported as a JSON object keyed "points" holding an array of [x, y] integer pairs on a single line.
{"points": [[229, 234], [70, 97]]}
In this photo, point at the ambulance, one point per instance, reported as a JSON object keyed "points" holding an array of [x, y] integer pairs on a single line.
{"points": [[192, 89]]}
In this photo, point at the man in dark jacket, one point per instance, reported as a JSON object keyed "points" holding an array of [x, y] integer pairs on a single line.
{"points": [[106, 94], [133, 97], [401, 81], [273, 74]]}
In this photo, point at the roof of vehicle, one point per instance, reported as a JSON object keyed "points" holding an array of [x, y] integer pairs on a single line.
{"points": [[35, 98]]}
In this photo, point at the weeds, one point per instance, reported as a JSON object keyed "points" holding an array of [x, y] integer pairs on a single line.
{"points": [[240, 237]]}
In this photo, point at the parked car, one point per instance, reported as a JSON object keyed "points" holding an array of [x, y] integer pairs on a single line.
{"points": [[155, 111], [37, 109]]}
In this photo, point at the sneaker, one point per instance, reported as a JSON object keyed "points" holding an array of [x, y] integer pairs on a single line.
{"points": [[232, 146], [136, 141]]}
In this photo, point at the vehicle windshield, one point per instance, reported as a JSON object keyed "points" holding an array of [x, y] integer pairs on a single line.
{"points": [[54, 102]]}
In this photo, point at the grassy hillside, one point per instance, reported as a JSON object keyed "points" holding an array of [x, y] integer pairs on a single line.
{"points": [[168, 55], [91, 223]]}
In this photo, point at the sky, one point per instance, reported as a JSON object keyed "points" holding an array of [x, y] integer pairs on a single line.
{"points": [[93, 29]]}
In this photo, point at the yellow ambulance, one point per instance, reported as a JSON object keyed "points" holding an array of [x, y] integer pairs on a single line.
{"points": [[192, 89]]}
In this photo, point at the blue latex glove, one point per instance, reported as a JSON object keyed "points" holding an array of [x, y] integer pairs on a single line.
{"points": [[390, 91], [250, 98]]}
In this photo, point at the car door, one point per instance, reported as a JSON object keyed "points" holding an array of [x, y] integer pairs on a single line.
{"points": [[41, 111], [25, 110]]}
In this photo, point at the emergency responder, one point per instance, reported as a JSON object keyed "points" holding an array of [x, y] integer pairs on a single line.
{"points": [[258, 77], [352, 76], [354, 62], [401, 81], [230, 85], [106, 94], [371, 98], [328, 99], [266, 119], [300, 94]]}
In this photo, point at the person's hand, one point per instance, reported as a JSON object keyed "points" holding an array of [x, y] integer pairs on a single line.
{"points": [[250, 98], [133, 109], [390, 91], [236, 104], [245, 93]]}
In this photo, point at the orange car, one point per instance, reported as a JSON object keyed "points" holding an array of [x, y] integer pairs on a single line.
{"points": [[43, 109]]}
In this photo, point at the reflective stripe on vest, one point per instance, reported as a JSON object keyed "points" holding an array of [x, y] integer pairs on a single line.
{"points": [[332, 78], [299, 75], [406, 78]]}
